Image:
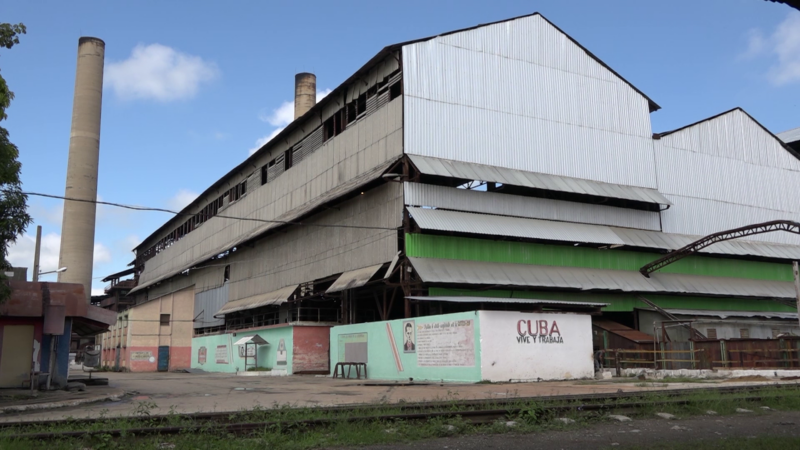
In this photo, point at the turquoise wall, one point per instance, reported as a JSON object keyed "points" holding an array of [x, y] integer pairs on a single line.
{"points": [[267, 354], [381, 363]]}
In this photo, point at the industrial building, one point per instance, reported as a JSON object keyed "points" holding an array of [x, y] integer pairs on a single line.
{"points": [[490, 180]]}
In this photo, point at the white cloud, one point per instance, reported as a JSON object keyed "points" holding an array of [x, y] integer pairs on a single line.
{"points": [[102, 254], [96, 291], [158, 72], [783, 45], [280, 117], [20, 254], [44, 215], [182, 199]]}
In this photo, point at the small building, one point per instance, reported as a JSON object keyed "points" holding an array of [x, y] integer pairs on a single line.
{"points": [[36, 325]]}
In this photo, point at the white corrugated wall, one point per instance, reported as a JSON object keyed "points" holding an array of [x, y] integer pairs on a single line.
{"points": [[521, 95]]}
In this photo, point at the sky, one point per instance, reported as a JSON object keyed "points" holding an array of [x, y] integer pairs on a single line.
{"points": [[191, 88]]}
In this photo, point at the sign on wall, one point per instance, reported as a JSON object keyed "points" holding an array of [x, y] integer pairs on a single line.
{"points": [[446, 344], [221, 354], [141, 356], [202, 353], [247, 351], [353, 347], [280, 358], [409, 337]]}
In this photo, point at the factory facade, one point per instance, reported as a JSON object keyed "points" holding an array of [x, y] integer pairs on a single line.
{"points": [[451, 184]]}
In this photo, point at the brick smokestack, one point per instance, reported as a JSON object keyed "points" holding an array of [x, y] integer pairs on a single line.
{"points": [[305, 93], [77, 229]]}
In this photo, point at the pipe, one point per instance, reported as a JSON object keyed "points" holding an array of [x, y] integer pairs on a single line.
{"points": [[305, 93]]}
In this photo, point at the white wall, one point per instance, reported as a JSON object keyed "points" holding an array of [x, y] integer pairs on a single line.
{"points": [[520, 94], [506, 354]]}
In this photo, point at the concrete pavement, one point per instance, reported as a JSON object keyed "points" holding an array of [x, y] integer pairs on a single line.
{"points": [[217, 392]]}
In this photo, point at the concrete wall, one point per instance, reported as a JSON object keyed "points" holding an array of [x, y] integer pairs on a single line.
{"points": [[524, 346], [446, 348], [146, 333], [222, 356]]}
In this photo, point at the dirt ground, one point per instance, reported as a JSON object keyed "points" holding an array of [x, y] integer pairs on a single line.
{"points": [[637, 434]]}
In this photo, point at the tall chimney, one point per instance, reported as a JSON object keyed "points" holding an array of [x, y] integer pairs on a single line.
{"points": [[77, 228], [305, 93]]}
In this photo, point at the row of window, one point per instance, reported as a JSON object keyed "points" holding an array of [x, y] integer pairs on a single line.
{"points": [[744, 333], [385, 91]]}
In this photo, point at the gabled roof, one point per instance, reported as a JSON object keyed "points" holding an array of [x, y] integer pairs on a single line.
{"points": [[316, 109], [708, 119]]}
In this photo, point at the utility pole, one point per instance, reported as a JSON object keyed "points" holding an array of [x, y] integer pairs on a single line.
{"points": [[796, 270], [36, 253]]}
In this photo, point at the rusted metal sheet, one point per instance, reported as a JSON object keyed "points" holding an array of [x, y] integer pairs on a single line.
{"points": [[620, 330]]}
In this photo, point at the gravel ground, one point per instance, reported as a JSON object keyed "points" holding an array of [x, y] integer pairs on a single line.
{"points": [[641, 433]]}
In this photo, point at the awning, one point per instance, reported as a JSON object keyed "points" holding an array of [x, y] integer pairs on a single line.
{"points": [[254, 339], [491, 225], [148, 278], [728, 314], [270, 298], [531, 301], [452, 271], [494, 225], [471, 171], [354, 278]]}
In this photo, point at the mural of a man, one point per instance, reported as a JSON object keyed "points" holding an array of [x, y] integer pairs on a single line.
{"points": [[281, 356], [409, 340]]}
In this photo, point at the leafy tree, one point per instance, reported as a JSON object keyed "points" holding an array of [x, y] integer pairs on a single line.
{"points": [[13, 212]]}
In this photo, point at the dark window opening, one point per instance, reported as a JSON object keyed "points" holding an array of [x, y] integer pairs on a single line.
{"points": [[361, 105], [287, 159], [264, 174], [351, 112], [395, 91], [164, 319], [328, 129], [227, 275]]}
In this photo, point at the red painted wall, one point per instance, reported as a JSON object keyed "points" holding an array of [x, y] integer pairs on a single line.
{"points": [[179, 358], [311, 349]]}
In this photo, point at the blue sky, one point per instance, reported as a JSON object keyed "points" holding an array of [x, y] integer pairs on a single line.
{"points": [[192, 87]]}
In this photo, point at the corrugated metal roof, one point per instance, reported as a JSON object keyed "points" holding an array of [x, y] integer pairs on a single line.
{"points": [[790, 136], [254, 339], [506, 274], [465, 299], [622, 331], [493, 225], [270, 298], [472, 171], [442, 220], [354, 278], [726, 314]]}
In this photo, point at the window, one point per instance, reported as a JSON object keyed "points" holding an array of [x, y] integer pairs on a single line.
{"points": [[287, 160], [264, 174], [395, 91], [711, 333], [164, 319], [227, 275], [744, 333]]}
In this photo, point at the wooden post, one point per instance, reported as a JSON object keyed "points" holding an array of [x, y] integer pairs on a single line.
{"points": [[36, 253], [618, 363]]}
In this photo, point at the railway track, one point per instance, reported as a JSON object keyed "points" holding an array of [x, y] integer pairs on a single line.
{"points": [[474, 412]]}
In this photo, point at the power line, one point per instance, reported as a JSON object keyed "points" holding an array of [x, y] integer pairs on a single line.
{"points": [[221, 216]]}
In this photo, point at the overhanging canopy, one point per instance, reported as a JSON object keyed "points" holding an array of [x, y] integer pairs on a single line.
{"points": [[472, 171], [254, 339], [270, 298], [530, 301], [354, 278], [452, 271]]}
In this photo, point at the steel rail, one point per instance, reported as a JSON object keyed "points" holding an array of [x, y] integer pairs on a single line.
{"points": [[420, 406]]}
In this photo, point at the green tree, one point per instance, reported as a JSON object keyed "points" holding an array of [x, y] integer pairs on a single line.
{"points": [[14, 217]]}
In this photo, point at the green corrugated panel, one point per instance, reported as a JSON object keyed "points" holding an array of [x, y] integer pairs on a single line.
{"points": [[471, 249], [626, 302]]}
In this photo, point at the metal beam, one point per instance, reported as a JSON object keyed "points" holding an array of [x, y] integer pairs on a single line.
{"points": [[749, 230]]}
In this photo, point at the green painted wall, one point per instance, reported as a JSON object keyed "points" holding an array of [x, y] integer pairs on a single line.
{"points": [[626, 302], [267, 354], [471, 249], [380, 357]]}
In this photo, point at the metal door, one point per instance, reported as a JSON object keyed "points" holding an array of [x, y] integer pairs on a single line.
{"points": [[163, 358], [15, 366]]}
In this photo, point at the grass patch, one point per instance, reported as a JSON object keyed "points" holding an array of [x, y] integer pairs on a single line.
{"points": [[286, 430], [259, 369]]}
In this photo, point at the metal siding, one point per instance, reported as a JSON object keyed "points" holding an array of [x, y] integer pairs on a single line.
{"points": [[505, 274], [256, 301], [343, 164], [505, 300], [472, 171], [417, 194], [472, 249], [730, 172], [790, 136], [354, 278], [206, 304], [521, 95], [461, 222]]}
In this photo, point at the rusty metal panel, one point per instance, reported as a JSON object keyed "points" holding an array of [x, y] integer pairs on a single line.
{"points": [[520, 94], [417, 194], [54, 316], [310, 347], [731, 172]]}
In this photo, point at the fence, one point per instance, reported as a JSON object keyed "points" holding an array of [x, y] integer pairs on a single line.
{"points": [[707, 354]]}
